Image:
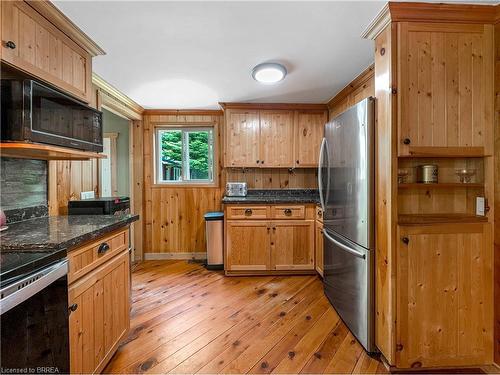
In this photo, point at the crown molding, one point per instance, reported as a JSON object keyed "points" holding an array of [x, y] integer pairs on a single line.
{"points": [[183, 112], [68, 27], [116, 100], [275, 106], [431, 12], [379, 23], [359, 81]]}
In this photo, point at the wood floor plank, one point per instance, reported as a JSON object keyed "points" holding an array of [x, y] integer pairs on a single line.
{"points": [[186, 319], [240, 309], [256, 342], [298, 356]]}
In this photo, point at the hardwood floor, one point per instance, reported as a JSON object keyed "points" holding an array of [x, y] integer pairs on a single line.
{"points": [[186, 319]]}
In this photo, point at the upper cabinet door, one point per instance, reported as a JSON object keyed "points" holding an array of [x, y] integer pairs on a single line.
{"points": [[310, 130], [446, 87], [242, 138], [31, 43], [276, 139]]}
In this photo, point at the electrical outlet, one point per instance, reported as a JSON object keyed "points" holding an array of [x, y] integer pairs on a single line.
{"points": [[87, 195], [480, 206]]}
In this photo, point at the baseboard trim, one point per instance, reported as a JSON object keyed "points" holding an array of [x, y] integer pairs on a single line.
{"points": [[176, 256]]}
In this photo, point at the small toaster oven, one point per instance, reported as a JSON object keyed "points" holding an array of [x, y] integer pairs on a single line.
{"points": [[236, 189]]}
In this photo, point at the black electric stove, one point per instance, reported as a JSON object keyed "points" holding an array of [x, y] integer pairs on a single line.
{"points": [[16, 264]]}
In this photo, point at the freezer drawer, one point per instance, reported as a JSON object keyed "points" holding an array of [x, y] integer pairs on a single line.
{"points": [[348, 285]]}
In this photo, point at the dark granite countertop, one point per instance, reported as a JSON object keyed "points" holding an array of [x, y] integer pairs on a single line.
{"points": [[276, 196], [59, 232]]}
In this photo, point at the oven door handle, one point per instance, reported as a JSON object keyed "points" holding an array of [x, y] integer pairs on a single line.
{"points": [[18, 292]]}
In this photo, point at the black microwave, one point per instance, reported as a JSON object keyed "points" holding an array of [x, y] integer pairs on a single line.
{"points": [[34, 112]]}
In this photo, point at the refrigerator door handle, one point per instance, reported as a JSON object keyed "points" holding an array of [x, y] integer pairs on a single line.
{"points": [[344, 247], [320, 174]]}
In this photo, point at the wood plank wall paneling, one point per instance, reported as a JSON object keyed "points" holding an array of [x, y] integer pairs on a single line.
{"points": [[497, 190], [67, 179], [363, 86], [173, 216], [256, 178]]}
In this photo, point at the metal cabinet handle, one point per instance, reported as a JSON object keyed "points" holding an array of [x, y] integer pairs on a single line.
{"points": [[10, 44], [257, 161], [262, 162], [248, 211], [288, 212], [405, 240], [73, 307], [297, 161], [103, 248], [406, 141]]}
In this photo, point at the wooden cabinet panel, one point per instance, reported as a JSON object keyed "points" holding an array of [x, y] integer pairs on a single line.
{"points": [[242, 138], [292, 245], [450, 267], [276, 139], [445, 77], [88, 257], [101, 315], [31, 43], [319, 247], [310, 129], [247, 246]]}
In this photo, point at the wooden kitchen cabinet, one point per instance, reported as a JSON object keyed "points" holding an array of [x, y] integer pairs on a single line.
{"points": [[292, 245], [101, 314], [273, 138], [276, 138], [284, 243], [445, 75], [444, 295], [247, 246], [310, 131], [319, 247], [32, 43], [242, 138]]}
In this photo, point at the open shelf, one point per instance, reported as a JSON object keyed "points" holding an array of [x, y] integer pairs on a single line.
{"points": [[441, 185], [24, 150], [440, 218]]}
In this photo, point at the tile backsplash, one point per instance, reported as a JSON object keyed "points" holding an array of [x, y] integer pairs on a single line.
{"points": [[23, 183]]}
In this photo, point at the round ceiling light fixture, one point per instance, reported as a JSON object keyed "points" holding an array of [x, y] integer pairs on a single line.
{"points": [[269, 73]]}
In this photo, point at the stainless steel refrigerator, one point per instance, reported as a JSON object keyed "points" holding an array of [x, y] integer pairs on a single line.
{"points": [[346, 183]]}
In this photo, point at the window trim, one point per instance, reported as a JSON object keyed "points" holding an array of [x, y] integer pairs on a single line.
{"points": [[186, 127]]}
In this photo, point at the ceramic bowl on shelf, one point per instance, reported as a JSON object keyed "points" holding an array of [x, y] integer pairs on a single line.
{"points": [[465, 175], [402, 175]]}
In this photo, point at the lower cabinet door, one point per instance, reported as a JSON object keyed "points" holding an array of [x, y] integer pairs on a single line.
{"points": [[444, 295], [292, 245], [319, 247], [99, 314], [247, 246]]}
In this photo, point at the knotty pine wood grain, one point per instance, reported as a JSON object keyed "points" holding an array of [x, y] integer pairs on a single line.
{"points": [[186, 319], [497, 189]]}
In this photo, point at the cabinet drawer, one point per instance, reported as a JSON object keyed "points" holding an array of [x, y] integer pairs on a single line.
{"points": [[288, 212], [88, 257], [248, 212]]}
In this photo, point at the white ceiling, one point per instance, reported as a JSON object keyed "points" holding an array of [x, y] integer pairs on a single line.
{"points": [[196, 54]]}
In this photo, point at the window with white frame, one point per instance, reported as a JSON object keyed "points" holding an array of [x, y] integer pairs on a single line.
{"points": [[184, 154]]}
